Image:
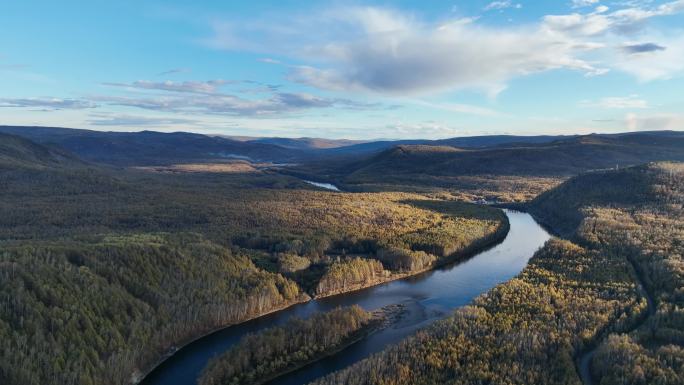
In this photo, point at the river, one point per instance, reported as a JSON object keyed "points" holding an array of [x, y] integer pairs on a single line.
{"points": [[327, 186], [428, 297]]}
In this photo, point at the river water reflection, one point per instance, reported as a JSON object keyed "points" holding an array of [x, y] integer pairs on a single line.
{"points": [[428, 297]]}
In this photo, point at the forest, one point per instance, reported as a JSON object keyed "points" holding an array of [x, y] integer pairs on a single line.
{"points": [[103, 271], [259, 357], [342, 192], [641, 220], [575, 296], [506, 172]]}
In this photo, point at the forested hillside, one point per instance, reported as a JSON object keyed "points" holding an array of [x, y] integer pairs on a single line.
{"points": [[259, 357], [158, 148], [573, 296], [104, 271], [151, 148], [564, 157], [638, 213], [506, 173], [19, 153]]}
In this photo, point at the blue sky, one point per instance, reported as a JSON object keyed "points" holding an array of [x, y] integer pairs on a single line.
{"points": [[358, 70]]}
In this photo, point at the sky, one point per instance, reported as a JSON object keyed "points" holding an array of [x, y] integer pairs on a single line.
{"points": [[344, 69]]}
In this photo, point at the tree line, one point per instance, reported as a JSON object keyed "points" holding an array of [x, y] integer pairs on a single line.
{"points": [[258, 357]]}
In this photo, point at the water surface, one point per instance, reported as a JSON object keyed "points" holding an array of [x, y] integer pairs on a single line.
{"points": [[428, 297], [327, 186]]}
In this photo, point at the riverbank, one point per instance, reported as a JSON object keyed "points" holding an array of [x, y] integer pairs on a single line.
{"points": [[138, 377], [382, 318], [263, 357], [446, 288], [474, 248]]}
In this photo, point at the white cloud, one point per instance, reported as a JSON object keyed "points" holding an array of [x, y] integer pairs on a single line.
{"points": [[458, 108], [134, 120], [499, 5], [577, 25], [224, 104], [207, 87], [635, 122], [628, 102], [601, 9], [268, 60], [583, 3], [46, 103], [386, 51], [417, 58], [428, 129]]}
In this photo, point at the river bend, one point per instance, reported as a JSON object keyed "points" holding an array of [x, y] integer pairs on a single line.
{"points": [[428, 297]]}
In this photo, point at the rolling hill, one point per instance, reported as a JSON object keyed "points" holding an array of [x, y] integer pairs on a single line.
{"points": [[17, 152], [151, 148], [615, 289], [511, 172], [147, 148], [372, 147], [563, 157]]}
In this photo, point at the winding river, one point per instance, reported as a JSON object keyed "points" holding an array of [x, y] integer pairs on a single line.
{"points": [[428, 297]]}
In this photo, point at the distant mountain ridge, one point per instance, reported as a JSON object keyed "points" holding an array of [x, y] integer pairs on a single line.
{"points": [[525, 169], [469, 142], [17, 152], [478, 153], [567, 156], [149, 147]]}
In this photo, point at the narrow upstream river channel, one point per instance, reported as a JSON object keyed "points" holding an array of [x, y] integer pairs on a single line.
{"points": [[428, 297]]}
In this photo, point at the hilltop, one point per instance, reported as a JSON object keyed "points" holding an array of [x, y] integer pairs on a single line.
{"points": [[559, 158], [565, 206], [146, 148], [17, 152], [505, 172]]}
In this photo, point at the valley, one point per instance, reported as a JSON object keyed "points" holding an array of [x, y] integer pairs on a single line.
{"points": [[427, 297], [151, 268], [176, 267], [483, 192]]}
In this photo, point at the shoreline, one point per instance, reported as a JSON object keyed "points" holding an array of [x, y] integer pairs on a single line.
{"points": [[475, 248], [136, 380], [382, 318]]}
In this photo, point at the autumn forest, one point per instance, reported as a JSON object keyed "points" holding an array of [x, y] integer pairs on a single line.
{"points": [[106, 270]]}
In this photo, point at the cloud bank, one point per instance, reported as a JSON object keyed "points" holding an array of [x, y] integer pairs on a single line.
{"points": [[47, 103], [206, 98], [387, 51]]}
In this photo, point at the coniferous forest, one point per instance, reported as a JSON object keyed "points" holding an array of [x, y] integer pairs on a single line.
{"points": [[332, 192], [105, 271], [609, 293], [259, 357]]}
